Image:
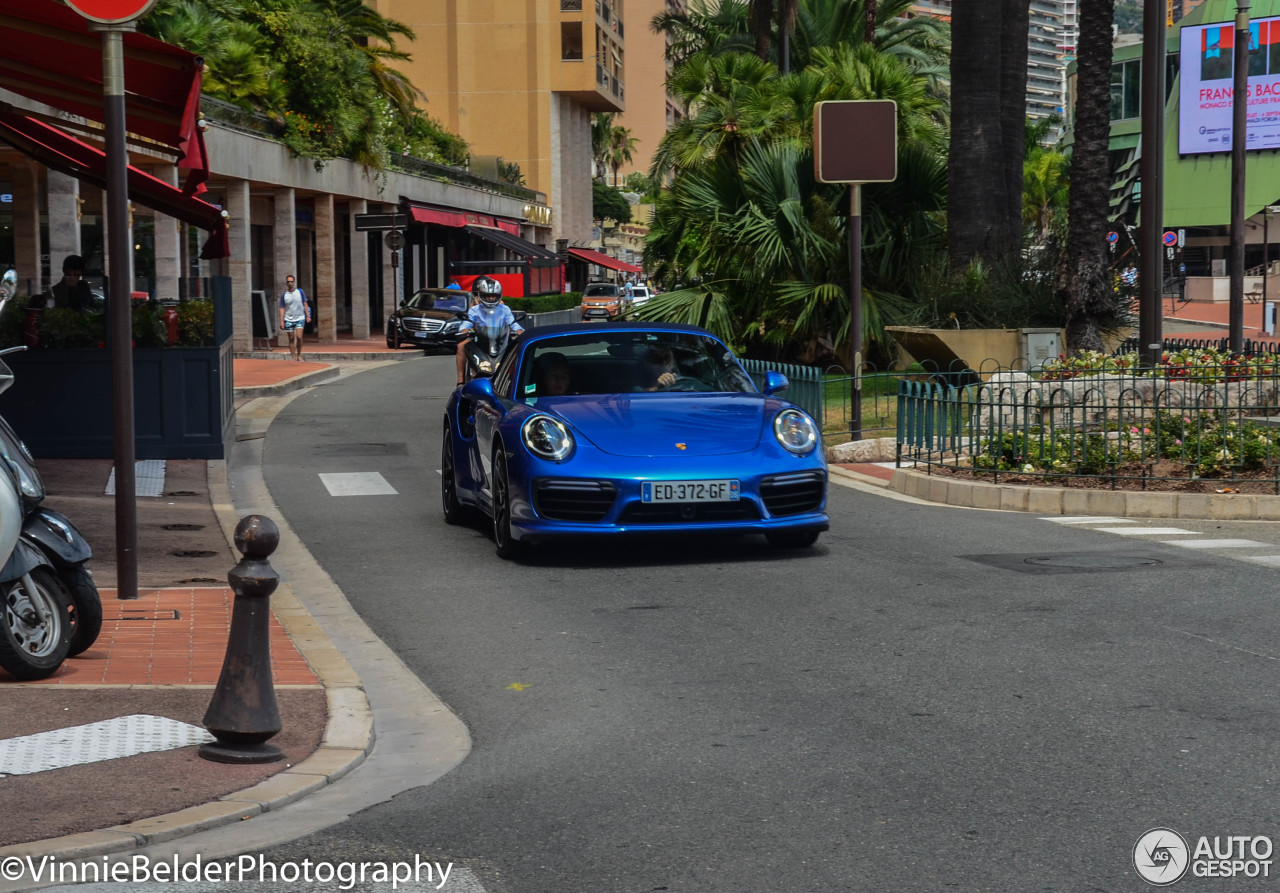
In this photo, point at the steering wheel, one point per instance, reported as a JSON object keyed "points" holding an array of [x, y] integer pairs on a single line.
{"points": [[684, 383]]}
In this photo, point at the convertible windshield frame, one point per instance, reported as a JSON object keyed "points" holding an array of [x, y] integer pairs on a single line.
{"points": [[619, 362]]}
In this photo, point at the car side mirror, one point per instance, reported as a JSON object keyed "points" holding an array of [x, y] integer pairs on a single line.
{"points": [[478, 389], [775, 382]]}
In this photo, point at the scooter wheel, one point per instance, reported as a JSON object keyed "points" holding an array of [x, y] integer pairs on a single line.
{"points": [[35, 626], [86, 608]]}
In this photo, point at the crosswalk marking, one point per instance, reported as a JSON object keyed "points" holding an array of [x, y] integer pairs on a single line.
{"points": [[1219, 544], [358, 483], [1145, 531], [1086, 519], [1268, 560]]}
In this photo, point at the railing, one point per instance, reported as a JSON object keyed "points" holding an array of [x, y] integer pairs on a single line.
{"points": [[1175, 426], [571, 5], [235, 118], [805, 384]]}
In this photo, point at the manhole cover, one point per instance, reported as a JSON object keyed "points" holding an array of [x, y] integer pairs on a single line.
{"points": [[1092, 562], [193, 553], [184, 527], [182, 493]]}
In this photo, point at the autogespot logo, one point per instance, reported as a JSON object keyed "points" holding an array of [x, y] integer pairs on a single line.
{"points": [[1161, 857]]}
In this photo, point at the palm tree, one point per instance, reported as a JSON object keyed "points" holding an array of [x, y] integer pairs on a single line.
{"points": [[601, 134], [621, 146], [1083, 285], [988, 72]]}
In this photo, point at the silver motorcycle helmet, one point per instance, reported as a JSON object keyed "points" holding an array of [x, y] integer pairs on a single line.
{"points": [[487, 291]]}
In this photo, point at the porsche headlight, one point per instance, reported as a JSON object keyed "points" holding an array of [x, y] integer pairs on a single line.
{"points": [[547, 438], [795, 431]]}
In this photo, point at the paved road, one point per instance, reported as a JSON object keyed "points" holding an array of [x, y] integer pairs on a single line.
{"points": [[933, 698]]}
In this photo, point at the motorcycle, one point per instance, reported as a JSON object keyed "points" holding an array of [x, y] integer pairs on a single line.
{"points": [[62, 548], [490, 339]]}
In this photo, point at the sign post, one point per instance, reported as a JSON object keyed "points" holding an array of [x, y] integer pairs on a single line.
{"points": [[113, 18], [855, 142]]}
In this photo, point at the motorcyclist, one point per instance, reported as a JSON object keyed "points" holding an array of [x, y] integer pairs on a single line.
{"points": [[488, 295]]}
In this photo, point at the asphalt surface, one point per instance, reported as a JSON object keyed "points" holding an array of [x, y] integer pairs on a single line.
{"points": [[932, 698]]}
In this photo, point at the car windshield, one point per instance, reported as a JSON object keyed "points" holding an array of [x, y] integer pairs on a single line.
{"points": [[601, 291], [629, 362], [426, 300]]}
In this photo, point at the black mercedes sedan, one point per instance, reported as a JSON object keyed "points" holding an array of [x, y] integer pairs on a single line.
{"points": [[428, 319]]}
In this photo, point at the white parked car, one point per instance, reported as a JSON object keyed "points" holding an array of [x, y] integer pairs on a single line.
{"points": [[640, 295]]}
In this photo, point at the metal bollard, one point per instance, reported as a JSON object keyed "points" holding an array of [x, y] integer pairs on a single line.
{"points": [[243, 713]]}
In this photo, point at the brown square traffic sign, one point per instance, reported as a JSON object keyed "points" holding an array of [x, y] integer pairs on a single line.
{"points": [[855, 141]]}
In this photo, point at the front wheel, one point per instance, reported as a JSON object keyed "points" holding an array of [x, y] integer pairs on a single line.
{"points": [[86, 608], [506, 545], [35, 626], [792, 539]]}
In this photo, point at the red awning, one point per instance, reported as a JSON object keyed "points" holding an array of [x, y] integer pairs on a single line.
{"points": [[452, 217], [60, 151], [51, 56], [604, 260]]}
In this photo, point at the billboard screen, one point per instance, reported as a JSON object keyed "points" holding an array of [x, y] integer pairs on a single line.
{"points": [[1205, 88]]}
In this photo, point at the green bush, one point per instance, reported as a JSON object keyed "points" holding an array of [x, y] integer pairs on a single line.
{"points": [[546, 303], [149, 329], [11, 321], [64, 328], [195, 323]]}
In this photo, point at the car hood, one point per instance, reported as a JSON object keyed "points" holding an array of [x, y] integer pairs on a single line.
{"points": [[666, 425]]}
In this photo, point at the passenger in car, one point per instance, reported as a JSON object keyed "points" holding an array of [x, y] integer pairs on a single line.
{"points": [[555, 377]]}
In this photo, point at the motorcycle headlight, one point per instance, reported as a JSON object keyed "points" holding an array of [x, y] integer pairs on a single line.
{"points": [[547, 438], [486, 365], [15, 453], [795, 431]]}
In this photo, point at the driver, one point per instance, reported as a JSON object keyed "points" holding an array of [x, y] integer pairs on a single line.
{"points": [[486, 291], [659, 370]]}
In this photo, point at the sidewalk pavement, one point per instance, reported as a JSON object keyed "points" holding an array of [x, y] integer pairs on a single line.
{"points": [[161, 655], [1210, 320]]}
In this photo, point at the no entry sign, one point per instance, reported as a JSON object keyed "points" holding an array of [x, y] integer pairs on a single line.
{"points": [[111, 12]]}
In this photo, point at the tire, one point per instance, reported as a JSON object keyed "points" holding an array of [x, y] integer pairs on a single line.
{"points": [[792, 539], [454, 511], [506, 546], [393, 340], [86, 608], [35, 627]]}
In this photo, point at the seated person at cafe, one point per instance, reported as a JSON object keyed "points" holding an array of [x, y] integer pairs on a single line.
{"points": [[70, 291]]}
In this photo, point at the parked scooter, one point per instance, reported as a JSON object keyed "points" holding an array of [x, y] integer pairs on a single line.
{"points": [[61, 546], [35, 609]]}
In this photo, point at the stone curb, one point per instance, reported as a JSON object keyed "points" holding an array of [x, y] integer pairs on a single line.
{"points": [[313, 356], [289, 385], [349, 736], [1072, 501]]}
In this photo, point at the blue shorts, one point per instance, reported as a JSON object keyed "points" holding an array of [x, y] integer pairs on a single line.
{"points": [[291, 324]]}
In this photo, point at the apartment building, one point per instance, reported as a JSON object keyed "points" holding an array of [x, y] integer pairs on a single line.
{"points": [[519, 82], [650, 110]]}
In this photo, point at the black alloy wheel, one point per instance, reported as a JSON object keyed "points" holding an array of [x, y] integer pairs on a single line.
{"points": [[454, 511], [506, 546]]}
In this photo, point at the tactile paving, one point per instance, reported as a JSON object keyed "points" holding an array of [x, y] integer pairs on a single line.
{"points": [[148, 478], [110, 739]]}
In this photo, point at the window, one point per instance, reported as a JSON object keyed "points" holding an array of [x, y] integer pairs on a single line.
{"points": [[1126, 90], [571, 41]]}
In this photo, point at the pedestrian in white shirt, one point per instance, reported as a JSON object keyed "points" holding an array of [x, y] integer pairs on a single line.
{"points": [[295, 313]]}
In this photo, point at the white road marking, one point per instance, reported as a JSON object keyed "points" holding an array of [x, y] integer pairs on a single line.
{"points": [[1219, 544], [1085, 519], [1145, 531], [1268, 560], [110, 739], [358, 483]]}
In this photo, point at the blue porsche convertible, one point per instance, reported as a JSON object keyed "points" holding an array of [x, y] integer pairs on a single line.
{"points": [[625, 428]]}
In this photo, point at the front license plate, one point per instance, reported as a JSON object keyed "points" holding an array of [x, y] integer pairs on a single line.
{"points": [[419, 334], [690, 491]]}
